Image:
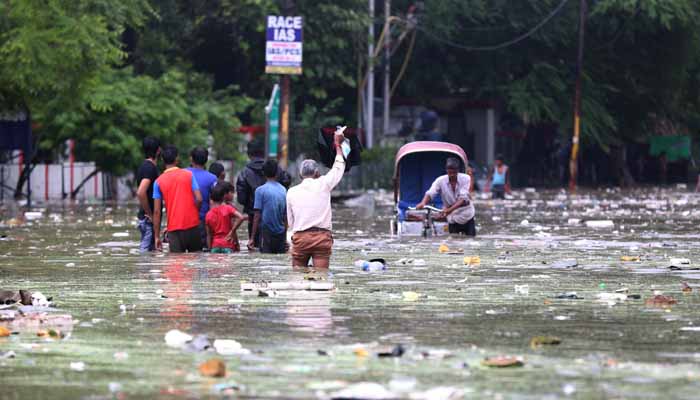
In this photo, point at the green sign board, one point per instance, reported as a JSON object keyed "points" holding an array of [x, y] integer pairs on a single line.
{"points": [[273, 122]]}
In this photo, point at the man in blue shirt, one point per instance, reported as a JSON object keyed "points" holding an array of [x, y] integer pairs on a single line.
{"points": [[206, 180], [270, 212]]}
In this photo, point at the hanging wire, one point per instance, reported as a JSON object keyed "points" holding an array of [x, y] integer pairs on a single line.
{"points": [[499, 46]]}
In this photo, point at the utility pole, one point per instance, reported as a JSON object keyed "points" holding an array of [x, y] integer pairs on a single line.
{"points": [[287, 9], [387, 67], [370, 79], [573, 162]]}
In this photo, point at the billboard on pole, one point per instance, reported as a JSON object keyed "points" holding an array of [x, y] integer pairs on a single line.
{"points": [[283, 47]]}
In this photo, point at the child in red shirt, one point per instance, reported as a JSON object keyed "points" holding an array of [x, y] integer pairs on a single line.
{"points": [[222, 221]]}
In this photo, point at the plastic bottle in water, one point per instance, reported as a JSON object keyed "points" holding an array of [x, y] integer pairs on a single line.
{"points": [[370, 266]]}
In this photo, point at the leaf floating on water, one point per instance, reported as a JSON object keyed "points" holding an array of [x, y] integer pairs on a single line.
{"points": [[502, 362], [539, 341], [660, 300], [361, 352], [443, 248], [630, 258], [686, 288], [472, 260], [213, 368], [4, 332]]}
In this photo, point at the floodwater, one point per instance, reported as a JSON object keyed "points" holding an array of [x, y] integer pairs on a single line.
{"points": [[448, 316]]}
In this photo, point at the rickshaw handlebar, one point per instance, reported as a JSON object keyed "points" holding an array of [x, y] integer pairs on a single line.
{"points": [[431, 208]]}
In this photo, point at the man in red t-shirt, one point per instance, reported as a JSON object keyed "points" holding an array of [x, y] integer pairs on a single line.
{"points": [[178, 189]]}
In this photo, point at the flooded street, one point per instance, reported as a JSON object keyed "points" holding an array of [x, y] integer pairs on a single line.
{"points": [[542, 271]]}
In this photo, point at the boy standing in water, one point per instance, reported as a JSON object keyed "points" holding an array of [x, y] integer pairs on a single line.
{"points": [[222, 220]]}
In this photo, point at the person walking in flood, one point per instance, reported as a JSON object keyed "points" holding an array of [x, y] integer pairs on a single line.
{"points": [[178, 190], [250, 179], [453, 189], [270, 212], [205, 180], [222, 221], [146, 176], [309, 210], [499, 179]]}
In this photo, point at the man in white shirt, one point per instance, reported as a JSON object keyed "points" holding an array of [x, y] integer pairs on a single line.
{"points": [[453, 188], [309, 211]]}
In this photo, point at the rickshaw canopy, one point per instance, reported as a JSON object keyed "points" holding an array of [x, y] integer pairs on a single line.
{"points": [[417, 165]]}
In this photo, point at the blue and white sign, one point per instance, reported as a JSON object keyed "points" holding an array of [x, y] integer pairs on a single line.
{"points": [[283, 49]]}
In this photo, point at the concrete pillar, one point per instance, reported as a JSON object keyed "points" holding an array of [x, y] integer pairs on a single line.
{"points": [[490, 136]]}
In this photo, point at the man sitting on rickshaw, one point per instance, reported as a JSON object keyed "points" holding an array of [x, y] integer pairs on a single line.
{"points": [[453, 188]]}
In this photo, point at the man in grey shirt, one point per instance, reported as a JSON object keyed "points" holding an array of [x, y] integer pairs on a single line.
{"points": [[453, 188]]}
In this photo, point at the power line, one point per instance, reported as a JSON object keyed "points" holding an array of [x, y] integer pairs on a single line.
{"points": [[500, 45]]}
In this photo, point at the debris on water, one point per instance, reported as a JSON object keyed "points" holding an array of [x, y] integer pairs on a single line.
{"points": [[360, 352], [503, 362], [472, 260], [39, 300], [568, 389], [214, 368], [396, 351], [77, 366], [270, 287], [7, 354], [4, 332], [51, 333], [70, 264], [322, 352], [114, 387], [611, 296], [600, 224], [120, 234], [574, 221], [443, 248], [198, 344], [439, 393], [630, 258], [226, 389], [411, 261], [15, 296], [436, 354], [524, 222], [121, 355], [373, 265], [33, 215], [228, 347], [678, 263], [686, 288], [410, 296], [539, 341], [522, 289], [364, 391], [565, 263], [569, 296], [660, 300], [176, 338]]}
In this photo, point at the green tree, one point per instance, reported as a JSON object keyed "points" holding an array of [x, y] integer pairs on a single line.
{"points": [[177, 107]]}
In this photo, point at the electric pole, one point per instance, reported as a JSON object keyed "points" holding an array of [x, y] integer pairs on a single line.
{"points": [[370, 79], [573, 162], [287, 9], [387, 67]]}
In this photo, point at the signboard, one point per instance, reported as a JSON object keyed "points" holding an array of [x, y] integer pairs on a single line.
{"points": [[273, 123], [283, 48]]}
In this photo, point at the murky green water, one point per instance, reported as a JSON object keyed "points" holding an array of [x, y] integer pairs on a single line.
{"points": [[609, 349]]}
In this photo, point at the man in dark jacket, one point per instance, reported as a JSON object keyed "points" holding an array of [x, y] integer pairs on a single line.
{"points": [[250, 178]]}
